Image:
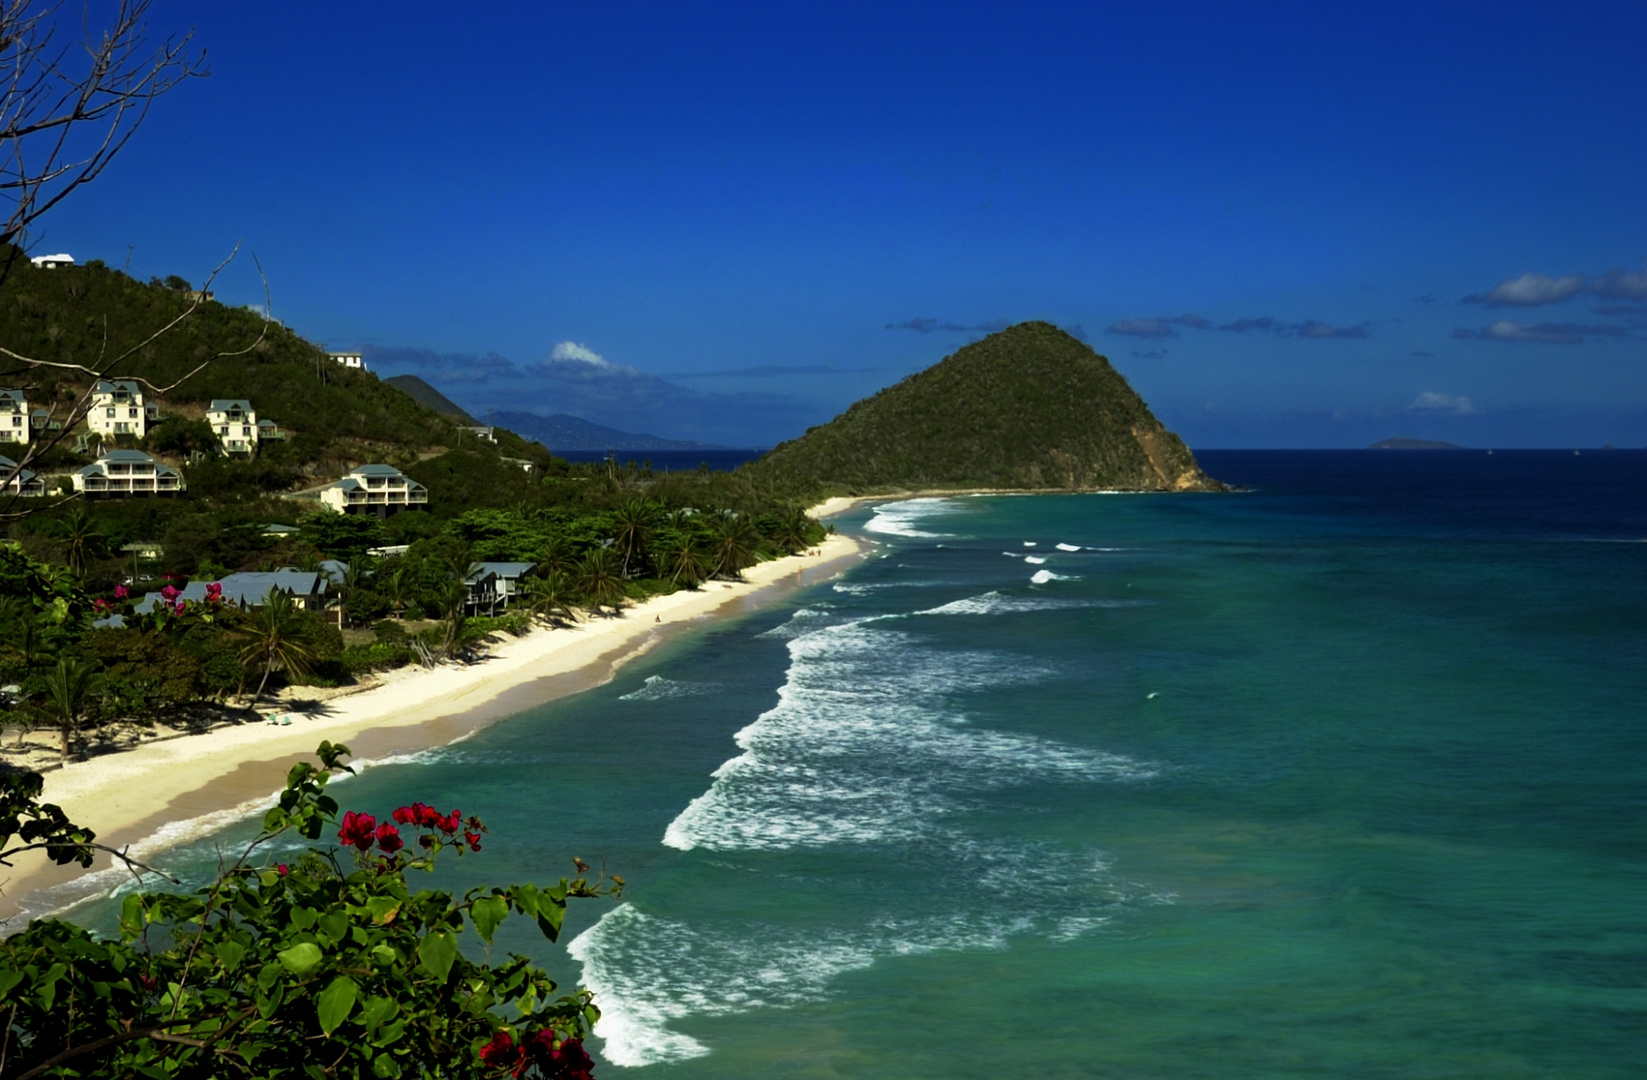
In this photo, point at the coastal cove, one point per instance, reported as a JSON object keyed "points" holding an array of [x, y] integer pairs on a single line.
{"points": [[135, 800], [1339, 775]]}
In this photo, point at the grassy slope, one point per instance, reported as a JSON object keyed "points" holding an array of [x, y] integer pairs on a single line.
{"points": [[1029, 407]]}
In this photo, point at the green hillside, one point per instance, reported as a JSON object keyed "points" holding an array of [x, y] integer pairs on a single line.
{"points": [[1027, 408], [334, 417]]}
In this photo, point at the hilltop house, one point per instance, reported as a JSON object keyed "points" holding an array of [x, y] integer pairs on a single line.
{"points": [[350, 360], [14, 417], [234, 423], [127, 472], [118, 408], [375, 489], [493, 585], [52, 262], [15, 481], [269, 431]]}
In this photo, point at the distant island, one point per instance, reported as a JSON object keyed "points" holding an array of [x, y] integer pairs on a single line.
{"points": [[562, 432], [1028, 408], [1414, 444]]}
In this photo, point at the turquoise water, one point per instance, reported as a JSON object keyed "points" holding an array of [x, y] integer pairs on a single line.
{"points": [[1345, 776]]}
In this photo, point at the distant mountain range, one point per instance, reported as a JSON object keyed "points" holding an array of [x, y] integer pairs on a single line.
{"points": [[562, 432], [1413, 444]]}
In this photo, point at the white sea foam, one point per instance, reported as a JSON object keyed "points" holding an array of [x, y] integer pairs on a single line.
{"points": [[1041, 577], [852, 588], [906, 518], [1069, 547], [996, 603], [1034, 560], [658, 688], [1029, 543]]}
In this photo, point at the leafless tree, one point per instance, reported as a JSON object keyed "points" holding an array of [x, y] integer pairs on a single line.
{"points": [[65, 111]]}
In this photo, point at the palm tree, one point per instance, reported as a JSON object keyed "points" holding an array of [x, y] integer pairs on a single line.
{"points": [[634, 529], [399, 588], [685, 559], [555, 554], [83, 543], [353, 577], [278, 634], [549, 597], [736, 545], [600, 580], [67, 688], [793, 526]]}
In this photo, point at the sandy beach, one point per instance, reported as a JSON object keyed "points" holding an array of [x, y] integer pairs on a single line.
{"points": [[149, 796]]}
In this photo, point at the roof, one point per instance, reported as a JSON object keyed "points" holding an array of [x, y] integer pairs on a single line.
{"points": [[375, 470], [479, 570], [62, 256], [135, 457], [279, 530], [334, 569], [244, 590], [225, 404], [108, 386], [266, 423], [7, 465], [12, 395]]}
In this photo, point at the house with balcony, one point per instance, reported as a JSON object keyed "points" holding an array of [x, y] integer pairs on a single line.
{"points": [[375, 489], [494, 585], [269, 431], [118, 408], [52, 262], [234, 423], [16, 481], [125, 473], [14, 417], [349, 360]]}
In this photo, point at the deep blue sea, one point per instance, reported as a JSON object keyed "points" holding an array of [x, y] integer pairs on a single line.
{"points": [[1344, 775]]}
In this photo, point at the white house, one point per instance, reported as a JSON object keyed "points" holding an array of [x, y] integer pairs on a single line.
{"points": [[127, 472], [234, 423], [375, 489], [15, 481], [118, 408], [494, 585], [52, 262], [350, 360], [14, 417]]}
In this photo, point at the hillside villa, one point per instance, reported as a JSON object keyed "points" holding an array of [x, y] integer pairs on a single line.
{"points": [[118, 408], [52, 262], [350, 360], [234, 423], [375, 489], [14, 417], [15, 481], [121, 473]]}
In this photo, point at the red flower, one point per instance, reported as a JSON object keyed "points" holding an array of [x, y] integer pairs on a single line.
{"points": [[406, 815], [388, 838], [100, 605], [449, 824], [474, 840], [120, 592], [564, 1059], [358, 829], [169, 593], [502, 1053], [283, 869]]}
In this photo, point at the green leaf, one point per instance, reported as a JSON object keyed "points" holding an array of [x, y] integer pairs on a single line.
{"points": [[334, 925], [230, 953], [301, 960], [487, 912], [376, 1011], [383, 909], [336, 1002], [268, 977], [385, 1066], [436, 952], [384, 955], [550, 914], [303, 918]]}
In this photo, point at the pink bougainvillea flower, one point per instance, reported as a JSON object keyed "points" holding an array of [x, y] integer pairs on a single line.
{"points": [[283, 869], [388, 838], [358, 829], [563, 1059], [474, 840], [405, 815], [100, 605], [120, 592], [169, 593]]}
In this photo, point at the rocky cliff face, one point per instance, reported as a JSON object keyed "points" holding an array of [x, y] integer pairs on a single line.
{"points": [[1028, 408]]}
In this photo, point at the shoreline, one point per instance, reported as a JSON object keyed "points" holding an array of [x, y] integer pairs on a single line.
{"points": [[132, 799]]}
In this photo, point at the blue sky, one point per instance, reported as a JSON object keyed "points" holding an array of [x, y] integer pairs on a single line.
{"points": [[1305, 225]]}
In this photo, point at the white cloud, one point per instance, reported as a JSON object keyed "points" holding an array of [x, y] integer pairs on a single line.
{"points": [[1431, 401], [1531, 290], [573, 350], [1620, 285]]}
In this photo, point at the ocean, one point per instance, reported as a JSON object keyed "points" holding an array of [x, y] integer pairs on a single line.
{"points": [[1343, 775]]}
